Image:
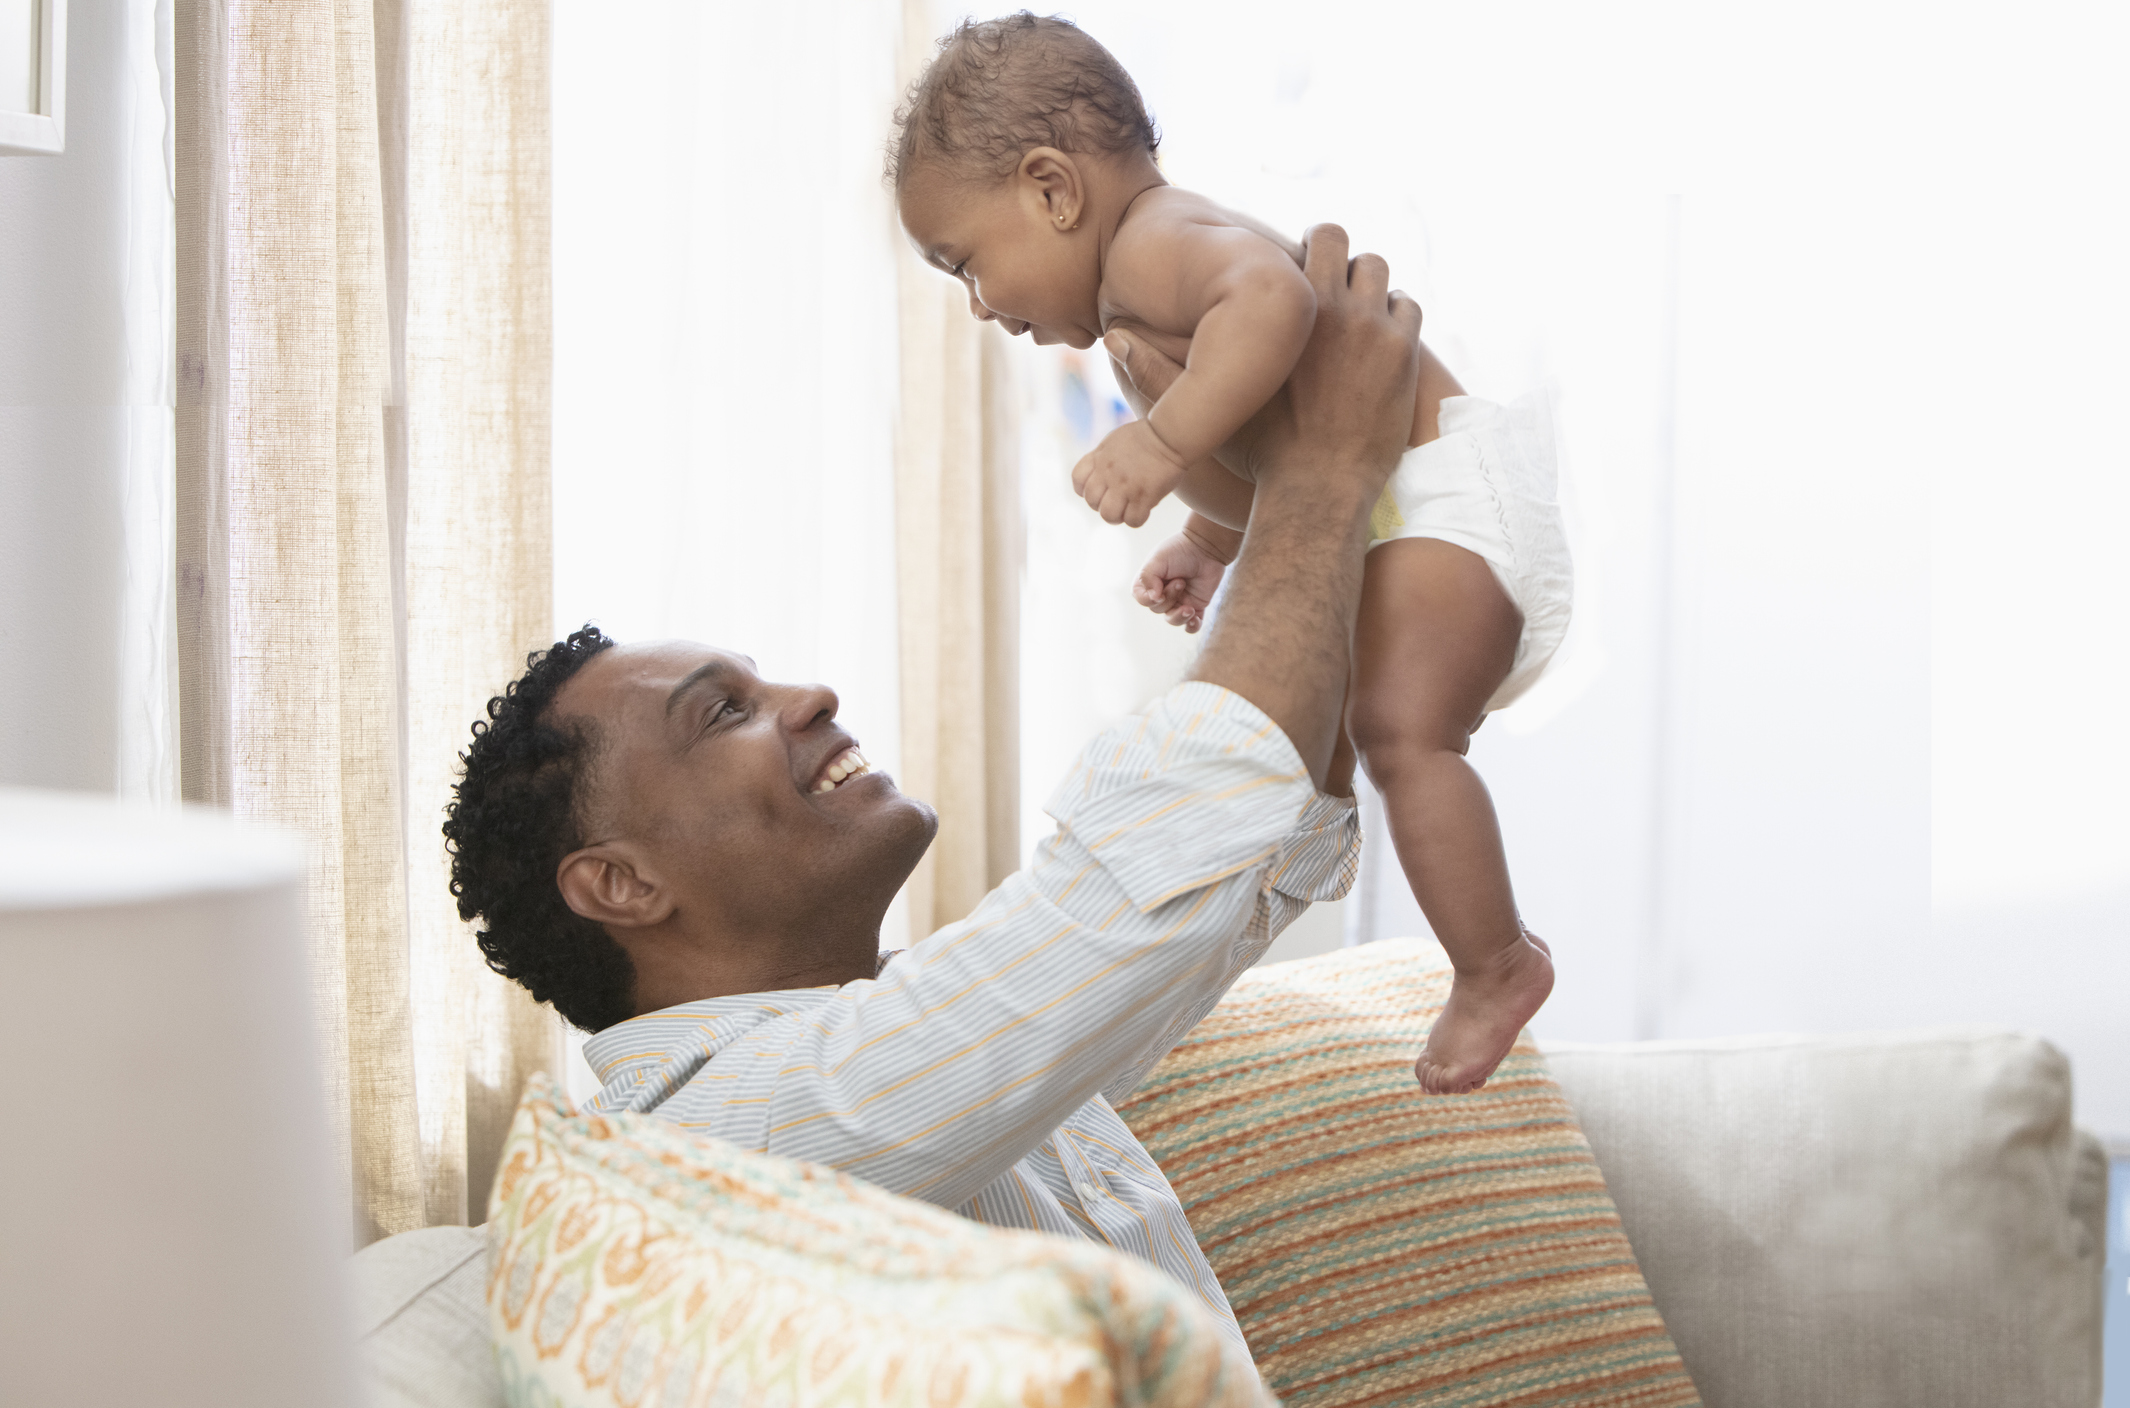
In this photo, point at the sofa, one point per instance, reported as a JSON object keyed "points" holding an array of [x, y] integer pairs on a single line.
{"points": [[1897, 1219]]}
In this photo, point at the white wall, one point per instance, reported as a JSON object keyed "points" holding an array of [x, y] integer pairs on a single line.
{"points": [[725, 337], [1829, 296], [85, 447]]}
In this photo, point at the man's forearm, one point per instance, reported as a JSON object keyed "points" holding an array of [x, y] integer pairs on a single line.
{"points": [[1284, 636]]}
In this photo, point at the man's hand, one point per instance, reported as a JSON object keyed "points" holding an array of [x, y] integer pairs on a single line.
{"points": [[1127, 474], [1350, 400], [1143, 374]]}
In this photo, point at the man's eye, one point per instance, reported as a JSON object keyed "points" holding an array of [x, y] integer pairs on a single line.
{"points": [[723, 707]]}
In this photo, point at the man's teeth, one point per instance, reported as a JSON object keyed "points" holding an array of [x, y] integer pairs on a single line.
{"points": [[849, 765]]}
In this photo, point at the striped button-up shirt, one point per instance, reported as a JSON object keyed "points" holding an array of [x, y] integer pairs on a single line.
{"points": [[977, 1071]]}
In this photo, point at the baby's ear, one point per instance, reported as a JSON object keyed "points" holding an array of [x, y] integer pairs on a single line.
{"points": [[1053, 180]]}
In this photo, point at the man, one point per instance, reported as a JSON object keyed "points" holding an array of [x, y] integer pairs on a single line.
{"points": [[694, 863]]}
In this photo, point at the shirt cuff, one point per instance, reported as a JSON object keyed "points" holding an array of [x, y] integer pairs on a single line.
{"points": [[1322, 853], [1199, 786]]}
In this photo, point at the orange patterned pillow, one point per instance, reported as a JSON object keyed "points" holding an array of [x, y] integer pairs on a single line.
{"points": [[1381, 1245], [632, 1264]]}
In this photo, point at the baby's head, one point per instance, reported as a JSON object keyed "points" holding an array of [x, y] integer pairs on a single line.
{"points": [[1004, 155]]}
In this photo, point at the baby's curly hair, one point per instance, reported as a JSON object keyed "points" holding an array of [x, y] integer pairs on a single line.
{"points": [[513, 817], [1000, 88]]}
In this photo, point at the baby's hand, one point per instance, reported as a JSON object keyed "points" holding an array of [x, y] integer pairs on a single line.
{"points": [[1127, 474], [1178, 582]]}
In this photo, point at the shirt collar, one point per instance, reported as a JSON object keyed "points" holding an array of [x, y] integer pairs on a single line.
{"points": [[708, 1024]]}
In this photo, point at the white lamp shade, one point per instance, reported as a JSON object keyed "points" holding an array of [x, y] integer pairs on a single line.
{"points": [[172, 1226]]}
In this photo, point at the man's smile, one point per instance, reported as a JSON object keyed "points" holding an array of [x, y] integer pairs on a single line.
{"points": [[845, 764]]}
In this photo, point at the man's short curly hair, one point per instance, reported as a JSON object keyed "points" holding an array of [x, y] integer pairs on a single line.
{"points": [[513, 818], [998, 89]]}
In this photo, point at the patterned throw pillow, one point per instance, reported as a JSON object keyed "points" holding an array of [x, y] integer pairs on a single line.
{"points": [[1384, 1246], [631, 1264]]}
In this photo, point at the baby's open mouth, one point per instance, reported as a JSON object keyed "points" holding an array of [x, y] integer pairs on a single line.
{"points": [[842, 768]]}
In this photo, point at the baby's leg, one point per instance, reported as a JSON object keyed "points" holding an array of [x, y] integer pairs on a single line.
{"points": [[1436, 637]]}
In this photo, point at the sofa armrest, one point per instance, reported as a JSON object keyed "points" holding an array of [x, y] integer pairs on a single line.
{"points": [[1864, 1220]]}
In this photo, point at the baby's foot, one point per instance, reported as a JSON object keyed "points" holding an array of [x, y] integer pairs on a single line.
{"points": [[1481, 1020]]}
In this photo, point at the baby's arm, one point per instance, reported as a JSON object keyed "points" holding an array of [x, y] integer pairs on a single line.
{"points": [[1213, 492], [1248, 312]]}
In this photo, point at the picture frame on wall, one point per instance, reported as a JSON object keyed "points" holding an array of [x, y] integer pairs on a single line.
{"points": [[33, 77]]}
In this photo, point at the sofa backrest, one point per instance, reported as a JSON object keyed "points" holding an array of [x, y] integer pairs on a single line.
{"points": [[1865, 1220], [421, 1320]]}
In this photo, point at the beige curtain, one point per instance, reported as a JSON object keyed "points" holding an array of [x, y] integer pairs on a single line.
{"points": [[958, 566], [363, 350]]}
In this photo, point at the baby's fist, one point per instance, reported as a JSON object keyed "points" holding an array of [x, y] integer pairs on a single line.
{"points": [[1178, 582], [1127, 474]]}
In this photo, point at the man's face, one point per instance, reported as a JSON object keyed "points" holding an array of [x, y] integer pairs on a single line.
{"points": [[999, 241], [750, 801]]}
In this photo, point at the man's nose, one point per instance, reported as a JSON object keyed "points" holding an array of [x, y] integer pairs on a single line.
{"points": [[809, 705]]}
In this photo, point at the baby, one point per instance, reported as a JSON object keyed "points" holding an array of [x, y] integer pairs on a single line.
{"points": [[1024, 166]]}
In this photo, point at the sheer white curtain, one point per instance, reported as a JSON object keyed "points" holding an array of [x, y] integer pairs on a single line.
{"points": [[727, 337], [773, 431]]}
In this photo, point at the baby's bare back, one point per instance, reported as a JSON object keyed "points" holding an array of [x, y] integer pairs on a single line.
{"points": [[1144, 267]]}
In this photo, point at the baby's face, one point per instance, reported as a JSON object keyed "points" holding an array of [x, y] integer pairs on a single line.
{"points": [[1020, 266]]}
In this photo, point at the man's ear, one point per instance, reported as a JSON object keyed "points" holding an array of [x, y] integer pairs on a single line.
{"points": [[1051, 183], [607, 885]]}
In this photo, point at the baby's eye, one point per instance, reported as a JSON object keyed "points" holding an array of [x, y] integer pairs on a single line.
{"points": [[958, 269]]}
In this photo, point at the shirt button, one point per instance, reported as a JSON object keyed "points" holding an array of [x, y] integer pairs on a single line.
{"points": [[1088, 1190]]}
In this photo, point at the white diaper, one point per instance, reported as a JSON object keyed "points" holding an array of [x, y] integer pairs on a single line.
{"points": [[1487, 484]]}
